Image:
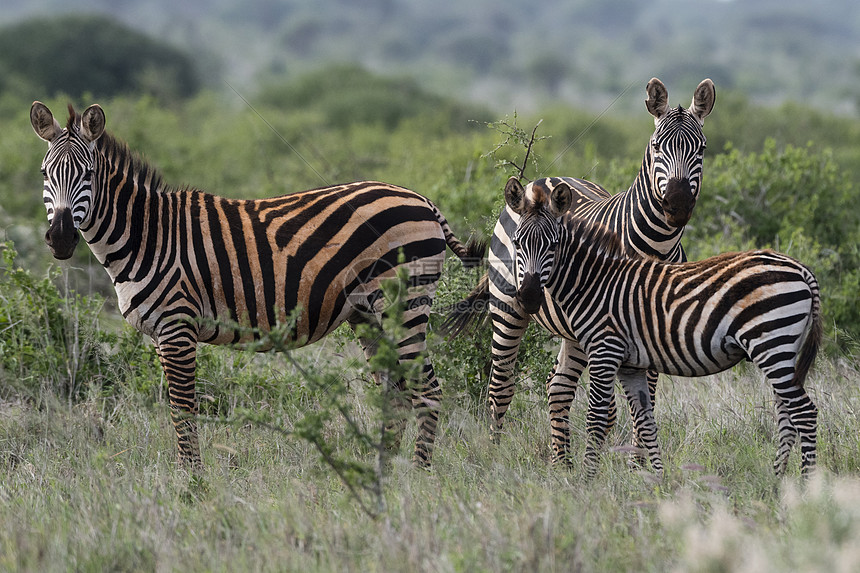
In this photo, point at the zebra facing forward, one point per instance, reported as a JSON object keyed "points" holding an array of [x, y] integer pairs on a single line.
{"points": [[630, 314], [187, 264], [649, 217]]}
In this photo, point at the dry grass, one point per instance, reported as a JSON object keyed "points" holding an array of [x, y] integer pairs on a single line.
{"points": [[94, 487]]}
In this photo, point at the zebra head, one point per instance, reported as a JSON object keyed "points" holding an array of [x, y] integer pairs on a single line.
{"points": [[677, 148], [67, 169], [536, 236]]}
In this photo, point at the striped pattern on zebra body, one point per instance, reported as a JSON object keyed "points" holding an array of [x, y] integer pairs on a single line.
{"points": [[690, 319], [186, 264], [649, 217]]}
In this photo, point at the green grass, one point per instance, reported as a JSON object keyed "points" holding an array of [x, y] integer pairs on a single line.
{"points": [[94, 487]]}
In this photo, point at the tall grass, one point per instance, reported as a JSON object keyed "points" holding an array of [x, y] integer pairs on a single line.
{"points": [[93, 486]]}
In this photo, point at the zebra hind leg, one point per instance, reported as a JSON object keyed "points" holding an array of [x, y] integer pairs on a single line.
{"points": [[637, 388], [412, 354], [396, 402], [797, 416], [637, 459]]}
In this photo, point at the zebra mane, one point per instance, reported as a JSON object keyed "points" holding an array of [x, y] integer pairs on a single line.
{"points": [[74, 119], [118, 152], [594, 235]]}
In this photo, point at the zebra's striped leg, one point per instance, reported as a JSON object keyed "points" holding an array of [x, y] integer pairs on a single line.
{"points": [[561, 385], [797, 415], [508, 331], [601, 388], [636, 384], [786, 433], [177, 352], [412, 347], [425, 401], [395, 422], [637, 459]]}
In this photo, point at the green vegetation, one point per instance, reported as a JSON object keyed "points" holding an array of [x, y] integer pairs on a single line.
{"points": [[87, 473], [509, 52], [94, 55]]}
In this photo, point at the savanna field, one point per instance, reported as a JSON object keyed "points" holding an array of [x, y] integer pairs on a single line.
{"points": [[88, 473]]}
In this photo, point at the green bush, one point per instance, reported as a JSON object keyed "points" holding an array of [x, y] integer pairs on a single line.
{"points": [[50, 342]]}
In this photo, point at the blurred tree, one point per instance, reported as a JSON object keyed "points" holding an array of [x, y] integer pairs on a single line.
{"points": [[348, 95], [92, 54]]}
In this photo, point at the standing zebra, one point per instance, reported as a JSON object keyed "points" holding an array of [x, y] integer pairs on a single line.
{"points": [[631, 313], [186, 264], [650, 218]]}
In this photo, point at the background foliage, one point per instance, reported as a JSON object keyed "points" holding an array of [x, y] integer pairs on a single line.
{"points": [[515, 54], [84, 429]]}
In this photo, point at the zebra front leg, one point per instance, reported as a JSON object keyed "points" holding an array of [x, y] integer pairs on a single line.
{"points": [[508, 331], [601, 388], [177, 352], [561, 388], [637, 388]]}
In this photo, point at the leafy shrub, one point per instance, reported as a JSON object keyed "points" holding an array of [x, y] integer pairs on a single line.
{"points": [[49, 341]]}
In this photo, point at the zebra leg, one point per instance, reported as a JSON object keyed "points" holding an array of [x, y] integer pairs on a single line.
{"points": [[177, 352], [786, 433], [395, 420], [601, 388], [637, 459], [636, 384], [412, 352], [561, 385], [797, 415], [426, 401], [508, 331]]}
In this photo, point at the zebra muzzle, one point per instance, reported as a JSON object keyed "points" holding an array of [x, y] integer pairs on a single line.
{"points": [[678, 202], [530, 293], [62, 236]]}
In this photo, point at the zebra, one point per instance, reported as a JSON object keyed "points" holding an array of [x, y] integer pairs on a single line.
{"points": [[649, 217], [631, 313], [188, 266]]}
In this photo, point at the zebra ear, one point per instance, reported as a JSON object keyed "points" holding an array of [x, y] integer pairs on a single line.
{"points": [[703, 100], [93, 122], [658, 99], [514, 195], [43, 122], [560, 199]]}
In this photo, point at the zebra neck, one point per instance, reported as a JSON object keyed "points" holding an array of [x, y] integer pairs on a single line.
{"points": [[649, 232], [127, 195]]}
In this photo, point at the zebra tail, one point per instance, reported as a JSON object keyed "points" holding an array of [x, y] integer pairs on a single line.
{"points": [[809, 350], [469, 312]]}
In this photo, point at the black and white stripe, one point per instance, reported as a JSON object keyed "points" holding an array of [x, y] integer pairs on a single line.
{"points": [[631, 313], [186, 264], [649, 217]]}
